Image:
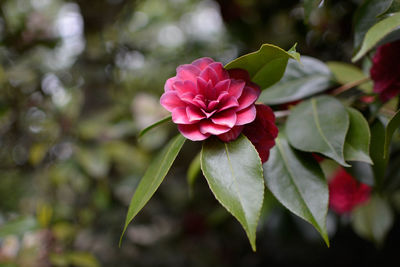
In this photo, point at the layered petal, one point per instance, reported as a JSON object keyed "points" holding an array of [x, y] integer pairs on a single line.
{"points": [[192, 132], [170, 100]]}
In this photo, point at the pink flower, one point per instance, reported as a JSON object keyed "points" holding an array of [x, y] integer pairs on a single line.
{"points": [[345, 193], [262, 131], [385, 70], [205, 99]]}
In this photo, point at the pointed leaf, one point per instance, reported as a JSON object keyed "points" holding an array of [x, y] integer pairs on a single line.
{"points": [[367, 14], [234, 173], [150, 127], [298, 182], [394, 123], [300, 80], [377, 152], [373, 220], [356, 146], [376, 33], [265, 66], [346, 73], [319, 125], [153, 177]]}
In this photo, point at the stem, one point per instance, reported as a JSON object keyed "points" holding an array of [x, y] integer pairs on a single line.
{"points": [[350, 85]]}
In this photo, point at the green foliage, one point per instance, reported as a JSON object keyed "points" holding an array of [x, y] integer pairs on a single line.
{"points": [[345, 73], [374, 220], [234, 173], [319, 125], [356, 146], [298, 182], [366, 16], [153, 177], [265, 66], [154, 125], [301, 79], [392, 126], [376, 33]]}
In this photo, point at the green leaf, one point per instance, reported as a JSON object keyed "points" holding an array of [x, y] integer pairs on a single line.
{"points": [[18, 226], [298, 182], [319, 125], [153, 177], [193, 171], [356, 146], [394, 123], [300, 80], [377, 152], [150, 127], [376, 33], [234, 173], [366, 16], [265, 66], [346, 73], [373, 220]]}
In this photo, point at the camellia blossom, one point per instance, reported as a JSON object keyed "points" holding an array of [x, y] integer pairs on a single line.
{"points": [[385, 70], [262, 131], [205, 99], [345, 193]]}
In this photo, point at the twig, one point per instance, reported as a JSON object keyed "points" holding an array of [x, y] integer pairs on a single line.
{"points": [[349, 85]]}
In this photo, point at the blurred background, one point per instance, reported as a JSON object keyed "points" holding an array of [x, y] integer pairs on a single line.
{"points": [[80, 78]]}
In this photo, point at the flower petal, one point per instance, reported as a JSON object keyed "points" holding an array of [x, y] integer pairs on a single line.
{"points": [[228, 102], [239, 74], [232, 134], [187, 72], [192, 132], [170, 100], [248, 97], [246, 115], [182, 87], [208, 127], [194, 114], [169, 83], [225, 118], [222, 74], [179, 116], [209, 74], [203, 62], [236, 88], [222, 86]]}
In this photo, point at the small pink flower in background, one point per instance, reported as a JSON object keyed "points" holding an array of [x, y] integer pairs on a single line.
{"points": [[262, 131], [205, 99], [345, 193], [385, 70]]}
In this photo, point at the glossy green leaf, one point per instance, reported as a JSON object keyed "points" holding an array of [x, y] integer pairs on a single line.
{"points": [[18, 226], [373, 220], [376, 33], [392, 126], [193, 171], [377, 152], [366, 16], [319, 125], [153, 177], [300, 80], [265, 66], [356, 146], [150, 127], [298, 182], [346, 73], [234, 173]]}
